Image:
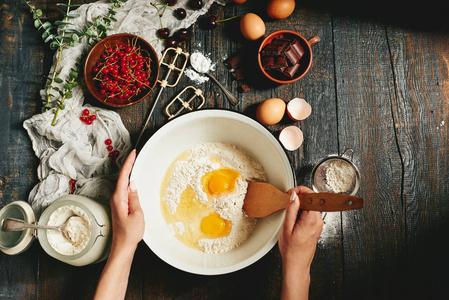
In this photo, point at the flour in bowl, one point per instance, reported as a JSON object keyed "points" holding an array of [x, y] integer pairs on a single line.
{"points": [[203, 193]]}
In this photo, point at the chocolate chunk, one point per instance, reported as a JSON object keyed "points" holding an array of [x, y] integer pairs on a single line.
{"points": [[239, 74], [245, 88], [280, 62], [268, 63], [294, 52], [272, 50], [233, 61], [291, 71]]}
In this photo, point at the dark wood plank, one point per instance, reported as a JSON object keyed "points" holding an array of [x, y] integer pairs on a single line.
{"points": [[373, 238], [321, 139], [20, 62], [419, 112]]}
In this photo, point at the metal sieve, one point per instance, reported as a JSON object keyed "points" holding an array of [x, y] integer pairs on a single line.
{"points": [[319, 179]]}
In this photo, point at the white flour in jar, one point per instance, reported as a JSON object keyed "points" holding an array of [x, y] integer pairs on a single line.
{"points": [[205, 158], [77, 230]]}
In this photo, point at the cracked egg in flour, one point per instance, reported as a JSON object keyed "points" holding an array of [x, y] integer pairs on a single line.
{"points": [[203, 193]]}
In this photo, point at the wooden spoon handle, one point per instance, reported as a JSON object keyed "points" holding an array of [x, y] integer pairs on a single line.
{"points": [[330, 202]]}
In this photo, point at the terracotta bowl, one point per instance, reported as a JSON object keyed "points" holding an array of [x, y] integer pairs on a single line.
{"points": [[304, 63], [109, 42]]}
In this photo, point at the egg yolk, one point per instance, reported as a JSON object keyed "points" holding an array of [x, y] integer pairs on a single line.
{"points": [[220, 181], [215, 225], [218, 184]]}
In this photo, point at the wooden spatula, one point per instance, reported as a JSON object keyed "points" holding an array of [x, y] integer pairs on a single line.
{"points": [[262, 199]]}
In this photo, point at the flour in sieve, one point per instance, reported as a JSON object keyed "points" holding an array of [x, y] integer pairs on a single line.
{"points": [[188, 173]]}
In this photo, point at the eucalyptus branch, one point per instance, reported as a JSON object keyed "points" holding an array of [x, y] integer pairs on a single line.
{"points": [[64, 38]]}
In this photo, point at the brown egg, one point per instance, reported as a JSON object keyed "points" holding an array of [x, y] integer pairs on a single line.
{"points": [[280, 9], [252, 26], [271, 111]]}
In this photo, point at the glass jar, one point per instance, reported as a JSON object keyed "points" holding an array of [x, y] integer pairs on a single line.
{"points": [[98, 245]]}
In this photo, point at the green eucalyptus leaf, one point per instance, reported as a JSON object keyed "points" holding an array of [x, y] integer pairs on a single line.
{"points": [[113, 19], [58, 22], [73, 74], [38, 12], [46, 25], [74, 84], [49, 38], [72, 15], [56, 88], [61, 93], [58, 80], [68, 86], [67, 5], [37, 23], [75, 37], [61, 106], [89, 32], [62, 12], [68, 95], [44, 101], [72, 43]]}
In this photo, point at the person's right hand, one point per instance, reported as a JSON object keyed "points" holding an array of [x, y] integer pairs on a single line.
{"points": [[297, 244], [299, 236]]}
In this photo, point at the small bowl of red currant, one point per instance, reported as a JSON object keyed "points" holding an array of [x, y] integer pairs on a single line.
{"points": [[121, 70]]}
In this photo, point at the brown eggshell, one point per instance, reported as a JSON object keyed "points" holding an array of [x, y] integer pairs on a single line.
{"points": [[271, 111], [280, 9], [298, 109], [291, 137], [252, 27]]}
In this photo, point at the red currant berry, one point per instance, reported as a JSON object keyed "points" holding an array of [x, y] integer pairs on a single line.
{"points": [[88, 121], [83, 119], [93, 117], [115, 153], [110, 148], [86, 112], [108, 142]]}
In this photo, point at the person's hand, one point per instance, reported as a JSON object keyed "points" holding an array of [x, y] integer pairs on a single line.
{"points": [[128, 223], [299, 236], [297, 244]]}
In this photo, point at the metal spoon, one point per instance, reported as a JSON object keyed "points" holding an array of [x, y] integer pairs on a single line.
{"points": [[11, 224], [232, 99]]}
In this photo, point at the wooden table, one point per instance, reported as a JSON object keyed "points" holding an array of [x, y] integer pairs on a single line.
{"points": [[379, 84]]}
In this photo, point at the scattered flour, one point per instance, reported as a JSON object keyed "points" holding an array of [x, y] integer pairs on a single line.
{"points": [[195, 76], [339, 176], [188, 173], [77, 229]]}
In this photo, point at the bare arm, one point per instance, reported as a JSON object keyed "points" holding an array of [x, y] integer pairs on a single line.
{"points": [[128, 226], [297, 245]]}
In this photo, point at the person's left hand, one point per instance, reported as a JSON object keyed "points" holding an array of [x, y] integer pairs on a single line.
{"points": [[128, 224]]}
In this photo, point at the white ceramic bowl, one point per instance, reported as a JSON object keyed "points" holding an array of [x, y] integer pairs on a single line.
{"points": [[181, 134]]}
